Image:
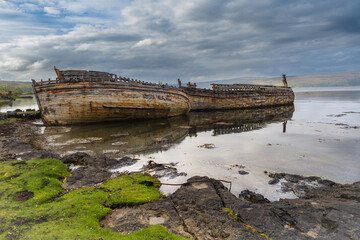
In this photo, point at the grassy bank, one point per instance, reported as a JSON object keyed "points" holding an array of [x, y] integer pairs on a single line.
{"points": [[17, 88], [34, 206]]}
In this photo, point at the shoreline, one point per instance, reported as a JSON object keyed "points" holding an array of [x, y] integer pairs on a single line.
{"points": [[206, 210]]}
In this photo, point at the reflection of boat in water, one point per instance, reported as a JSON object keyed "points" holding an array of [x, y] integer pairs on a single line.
{"points": [[150, 136], [122, 138], [78, 96], [240, 120]]}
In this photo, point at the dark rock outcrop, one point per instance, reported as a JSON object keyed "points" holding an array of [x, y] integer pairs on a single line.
{"points": [[26, 151], [243, 172], [84, 159], [92, 170], [159, 170], [298, 184], [253, 197], [204, 209], [194, 211], [28, 114], [38, 154], [86, 177]]}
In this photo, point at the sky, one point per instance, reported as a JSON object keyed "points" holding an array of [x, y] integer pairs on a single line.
{"points": [[195, 40]]}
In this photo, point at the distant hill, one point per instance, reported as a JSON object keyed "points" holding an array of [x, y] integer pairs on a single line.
{"points": [[318, 80], [15, 87]]}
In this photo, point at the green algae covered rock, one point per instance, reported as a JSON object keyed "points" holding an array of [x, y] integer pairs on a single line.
{"points": [[34, 206]]}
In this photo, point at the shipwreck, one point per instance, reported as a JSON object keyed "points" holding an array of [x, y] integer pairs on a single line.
{"points": [[237, 96], [79, 96]]}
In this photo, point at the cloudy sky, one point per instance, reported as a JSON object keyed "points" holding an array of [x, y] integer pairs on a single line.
{"points": [[197, 40]]}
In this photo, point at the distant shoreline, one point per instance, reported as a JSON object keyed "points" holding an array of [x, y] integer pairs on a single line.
{"points": [[330, 88]]}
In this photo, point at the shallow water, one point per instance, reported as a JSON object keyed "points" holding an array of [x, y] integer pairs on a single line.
{"points": [[21, 103], [320, 136]]}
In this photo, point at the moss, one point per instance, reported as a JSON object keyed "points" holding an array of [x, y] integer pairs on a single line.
{"points": [[264, 236], [230, 213], [250, 228], [40, 212], [9, 120]]}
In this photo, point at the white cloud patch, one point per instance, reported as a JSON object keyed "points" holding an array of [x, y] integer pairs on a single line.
{"points": [[147, 42], [84, 47], [51, 11], [144, 43]]}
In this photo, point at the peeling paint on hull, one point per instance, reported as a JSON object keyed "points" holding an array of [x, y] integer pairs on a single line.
{"points": [[87, 102]]}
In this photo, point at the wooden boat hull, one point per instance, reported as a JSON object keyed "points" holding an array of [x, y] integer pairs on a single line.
{"points": [[87, 102], [206, 99]]}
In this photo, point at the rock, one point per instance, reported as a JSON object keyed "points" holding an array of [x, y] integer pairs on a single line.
{"points": [[123, 162], [3, 116], [243, 172], [273, 181], [84, 159], [21, 114], [326, 182], [38, 154], [286, 186], [161, 212], [79, 158], [293, 178], [300, 190], [17, 147], [159, 170], [193, 211], [299, 185], [196, 210], [253, 197], [86, 177]]}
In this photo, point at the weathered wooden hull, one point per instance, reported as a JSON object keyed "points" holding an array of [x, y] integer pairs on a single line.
{"points": [[206, 99], [87, 102]]}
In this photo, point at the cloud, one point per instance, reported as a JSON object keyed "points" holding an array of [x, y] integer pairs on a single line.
{"points": [[167, 39], [144, 43], [147, 42], [51, 11]]}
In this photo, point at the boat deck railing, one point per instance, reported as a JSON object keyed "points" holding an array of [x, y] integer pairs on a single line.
{"points": [[111, 78], [246, 88], [239, 89], [77, 76]]}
